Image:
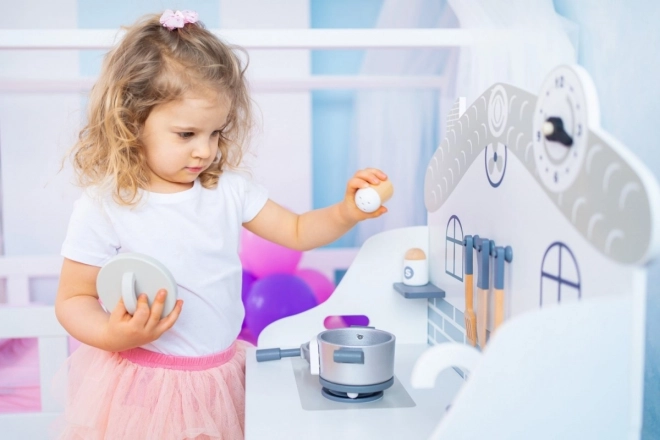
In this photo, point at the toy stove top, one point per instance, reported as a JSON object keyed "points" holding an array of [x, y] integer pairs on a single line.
{"points": [[347, 397], [284, 401], [354, 393], [317, 394]]}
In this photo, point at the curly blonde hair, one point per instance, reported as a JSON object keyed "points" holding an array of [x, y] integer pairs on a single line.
{"points": [[151, 66]]}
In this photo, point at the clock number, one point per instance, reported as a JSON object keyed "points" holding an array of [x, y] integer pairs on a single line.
{"points": [[559, 81], [556, 176], [579, 130], [538, 136]]}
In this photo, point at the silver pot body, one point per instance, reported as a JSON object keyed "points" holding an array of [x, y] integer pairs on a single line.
{"points": [[356, 355]]}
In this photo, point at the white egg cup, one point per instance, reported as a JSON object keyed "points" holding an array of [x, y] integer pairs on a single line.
{"points": [[415, 268], [128, 275], [415, 272]]}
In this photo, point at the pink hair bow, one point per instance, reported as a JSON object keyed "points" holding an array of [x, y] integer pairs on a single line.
{"points": [[171, 19]]}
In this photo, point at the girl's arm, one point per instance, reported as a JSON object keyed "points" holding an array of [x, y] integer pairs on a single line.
{"points": [[319, 227], [78, 310]]}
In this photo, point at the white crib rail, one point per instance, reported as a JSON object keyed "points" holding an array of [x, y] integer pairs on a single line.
{"points": [[19, 320], [72, 39], [303, 39], [259, 85], [17, 272], [39, 322]]}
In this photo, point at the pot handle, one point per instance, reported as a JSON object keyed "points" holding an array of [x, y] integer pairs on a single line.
{"points": [[348, 356], [272, 354]]}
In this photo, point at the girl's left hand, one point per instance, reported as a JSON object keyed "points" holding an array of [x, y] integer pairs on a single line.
{"points": [[361, 179]]}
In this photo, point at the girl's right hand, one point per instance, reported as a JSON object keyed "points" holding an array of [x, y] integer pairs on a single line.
{"points": [[124, 331]]}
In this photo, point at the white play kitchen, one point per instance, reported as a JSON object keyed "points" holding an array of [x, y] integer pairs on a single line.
{"points": [[531, 324], [357, 383]]}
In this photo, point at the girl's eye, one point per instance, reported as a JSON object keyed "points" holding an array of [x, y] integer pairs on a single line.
{"points": [[185, 135]]}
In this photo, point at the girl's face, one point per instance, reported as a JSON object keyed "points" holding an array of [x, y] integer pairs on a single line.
{"points": [[181, 139]]}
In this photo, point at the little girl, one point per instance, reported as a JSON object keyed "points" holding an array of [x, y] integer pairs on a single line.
{"points": [[167, 121]]}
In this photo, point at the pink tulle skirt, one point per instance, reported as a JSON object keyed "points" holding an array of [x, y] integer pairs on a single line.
{"points": [[138, 394]]}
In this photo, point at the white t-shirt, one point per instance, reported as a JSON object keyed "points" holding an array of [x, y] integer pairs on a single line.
{"points": [[195, 234]]}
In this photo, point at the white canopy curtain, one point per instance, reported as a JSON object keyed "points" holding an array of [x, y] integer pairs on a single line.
{"points": [[525, 63], [398, 131]]}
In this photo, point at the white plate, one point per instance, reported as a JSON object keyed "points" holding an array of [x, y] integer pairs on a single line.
{"points": [[131, 274]]}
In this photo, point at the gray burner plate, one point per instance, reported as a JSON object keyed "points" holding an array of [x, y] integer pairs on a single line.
{"points": [[311, 399]]}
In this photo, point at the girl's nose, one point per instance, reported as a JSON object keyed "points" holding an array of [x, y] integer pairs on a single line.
{"points": [[203, 149]]}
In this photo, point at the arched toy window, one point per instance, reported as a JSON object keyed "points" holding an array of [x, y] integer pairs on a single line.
{"points": [[454, 248], [560, 275]]}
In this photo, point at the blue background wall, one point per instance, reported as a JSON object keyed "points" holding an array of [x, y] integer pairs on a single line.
{"points": [[618, 46], [333, 110]]}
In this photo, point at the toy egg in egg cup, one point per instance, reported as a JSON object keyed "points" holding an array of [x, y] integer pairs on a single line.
{"points": [[415, 268], [371, 198]]}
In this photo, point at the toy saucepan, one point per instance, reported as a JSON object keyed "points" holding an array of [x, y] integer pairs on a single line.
{"points": [[353, 356]]}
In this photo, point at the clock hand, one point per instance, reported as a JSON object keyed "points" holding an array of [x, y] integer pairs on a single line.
{"points": [[553, 129]]}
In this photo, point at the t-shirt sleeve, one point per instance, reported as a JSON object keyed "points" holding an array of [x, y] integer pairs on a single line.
{"points": [[90, 238], [254, 199], [252, 196]]}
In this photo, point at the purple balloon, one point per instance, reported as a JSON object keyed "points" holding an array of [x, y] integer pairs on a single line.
{"points": [[319, 283], [262, 257], [248, 280], [275, 297], [246, 335]]}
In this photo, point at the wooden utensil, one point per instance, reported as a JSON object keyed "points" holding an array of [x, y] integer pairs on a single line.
{"points": [[482, 245], [501, 255], [470, 317]]}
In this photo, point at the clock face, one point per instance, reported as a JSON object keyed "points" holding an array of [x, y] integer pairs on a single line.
{"points": [[495, 157], [560, 129]]}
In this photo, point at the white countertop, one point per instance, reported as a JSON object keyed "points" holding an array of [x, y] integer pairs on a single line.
{"points": [[274, 409]]}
